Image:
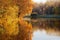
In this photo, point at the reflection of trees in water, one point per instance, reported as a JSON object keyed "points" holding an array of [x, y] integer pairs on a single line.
{"points": [[49, 25], [52, 27], [53, 24]]}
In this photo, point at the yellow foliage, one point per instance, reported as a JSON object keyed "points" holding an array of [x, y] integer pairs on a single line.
{"points": [[9, 18]]}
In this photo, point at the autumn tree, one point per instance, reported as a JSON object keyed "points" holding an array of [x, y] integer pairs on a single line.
{"points": [[11, 17], [25, 7]]}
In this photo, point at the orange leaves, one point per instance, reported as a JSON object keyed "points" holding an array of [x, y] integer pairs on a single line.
{"points": [[26, 27], [10, 19], [24, 6]]}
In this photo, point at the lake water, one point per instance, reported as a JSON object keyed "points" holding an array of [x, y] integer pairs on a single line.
{"points": [[45, 29], [41, 33]]}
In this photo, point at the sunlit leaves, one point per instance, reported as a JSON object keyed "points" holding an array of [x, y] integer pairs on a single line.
{"points": [[9, 18]]}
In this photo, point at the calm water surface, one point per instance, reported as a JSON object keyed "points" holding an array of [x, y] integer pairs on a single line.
{"points": [[42, 34], [45, 29]]}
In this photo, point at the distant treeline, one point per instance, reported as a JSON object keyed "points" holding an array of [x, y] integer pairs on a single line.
{"points": [[47, 10]]}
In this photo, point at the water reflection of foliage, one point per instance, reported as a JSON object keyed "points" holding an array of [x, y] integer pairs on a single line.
{"points": [[51, 26]]}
